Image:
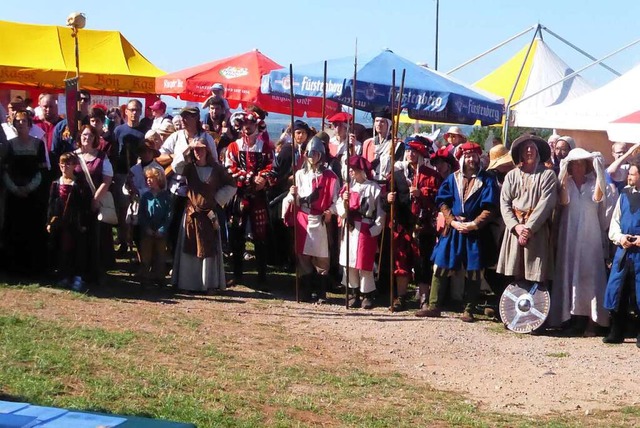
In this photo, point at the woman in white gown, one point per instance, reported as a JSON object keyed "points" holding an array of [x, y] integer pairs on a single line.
{"points": [[580, 278]]}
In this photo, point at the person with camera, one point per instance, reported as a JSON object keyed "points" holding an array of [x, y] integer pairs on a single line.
{"points": [[624, 278]]}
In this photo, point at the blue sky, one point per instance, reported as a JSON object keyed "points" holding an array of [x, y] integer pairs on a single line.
{"points": [[176, 35]]}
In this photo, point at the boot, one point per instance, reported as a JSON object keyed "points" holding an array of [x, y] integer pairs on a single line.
{"points": [[577, 328], [354, 299], [323, 285], [261, 261], [305, 284], [367, 301], [238, 261], [439, 286], [467, 316], [400, 304], [616, 333]]}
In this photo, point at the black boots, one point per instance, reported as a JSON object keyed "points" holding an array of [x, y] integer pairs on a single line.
{"points": [[616, 332], [355, 300]]}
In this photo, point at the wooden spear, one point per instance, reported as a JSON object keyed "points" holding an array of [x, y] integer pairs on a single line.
{"points": [[392, 150], [395, 119], [348, 178], [324, 95], [293, 172]]}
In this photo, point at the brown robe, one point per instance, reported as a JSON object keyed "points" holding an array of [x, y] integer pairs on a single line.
{"points": [[201, 231], [534, 196]]}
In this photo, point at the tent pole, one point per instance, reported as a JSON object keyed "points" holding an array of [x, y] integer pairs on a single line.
{"points": [[490, 50], [324, 94], [591, 57], [505, 130], [572, 75]]}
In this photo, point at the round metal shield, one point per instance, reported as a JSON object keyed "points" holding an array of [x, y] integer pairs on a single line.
{"points": [[524, 306]]}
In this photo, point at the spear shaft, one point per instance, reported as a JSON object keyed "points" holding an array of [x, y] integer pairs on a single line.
{"points": [[348, 178], [324, 95], [293, 172], [395, 121]]}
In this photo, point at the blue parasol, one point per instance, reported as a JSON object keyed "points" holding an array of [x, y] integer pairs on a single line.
{"points": [[428, 95]]}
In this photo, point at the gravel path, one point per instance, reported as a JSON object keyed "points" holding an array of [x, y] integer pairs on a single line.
{"points": [[498, 369]]}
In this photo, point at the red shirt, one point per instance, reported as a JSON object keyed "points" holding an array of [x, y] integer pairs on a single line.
{"points": [[48, 128]]}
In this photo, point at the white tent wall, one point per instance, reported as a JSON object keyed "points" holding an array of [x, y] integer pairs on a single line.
{"points": [[593, 111]]}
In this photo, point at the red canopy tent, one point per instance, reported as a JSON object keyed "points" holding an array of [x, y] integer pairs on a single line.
{"points": [[625, 129], [241, 76]]}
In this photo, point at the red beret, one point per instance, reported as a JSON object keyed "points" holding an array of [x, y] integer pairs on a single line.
{"points": [[358, 162], [445, 155], [468, 147], [419, 144], [340, 117]]}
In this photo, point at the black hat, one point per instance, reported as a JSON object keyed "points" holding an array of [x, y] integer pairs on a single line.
{"points": [[386, 113], [543, 147], [299, 124]]}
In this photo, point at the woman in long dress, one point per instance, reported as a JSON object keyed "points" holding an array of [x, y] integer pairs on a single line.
{"points": [[24, 233], [101, 253], [199, 264], [580, 277]]}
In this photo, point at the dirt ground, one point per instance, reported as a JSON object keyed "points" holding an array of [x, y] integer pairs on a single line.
{"points": [[499, 370]]}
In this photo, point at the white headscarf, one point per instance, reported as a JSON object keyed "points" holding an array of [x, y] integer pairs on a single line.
{"points": [[581, 154]]}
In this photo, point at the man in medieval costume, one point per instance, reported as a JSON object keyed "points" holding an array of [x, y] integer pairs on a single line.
{"points": [[414, 197], [527, 200], [249, 160], [468, 199]]}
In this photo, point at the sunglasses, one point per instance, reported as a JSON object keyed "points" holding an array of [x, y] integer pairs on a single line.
{"points": [[84, 100]]}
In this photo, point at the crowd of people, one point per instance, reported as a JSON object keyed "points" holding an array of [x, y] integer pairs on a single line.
{"points": [[366, 211]]}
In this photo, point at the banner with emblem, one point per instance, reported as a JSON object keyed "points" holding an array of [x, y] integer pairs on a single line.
{"points": [[427, 94], [71, 95]]}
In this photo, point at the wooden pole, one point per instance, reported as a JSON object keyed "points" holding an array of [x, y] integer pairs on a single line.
{"points": [[293, 172], [324, 95], [348, 178], [395, 117], [392, 150]]}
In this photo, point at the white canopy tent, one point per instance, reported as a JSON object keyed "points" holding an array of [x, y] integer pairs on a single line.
{"points": [[593, 111]]}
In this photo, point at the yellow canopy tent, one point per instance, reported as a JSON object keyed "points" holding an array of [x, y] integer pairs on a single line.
{"points": [[540, 69], [501, 80], [44, 55]]}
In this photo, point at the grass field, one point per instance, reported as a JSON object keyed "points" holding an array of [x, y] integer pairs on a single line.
{"points": [[197, 361]]}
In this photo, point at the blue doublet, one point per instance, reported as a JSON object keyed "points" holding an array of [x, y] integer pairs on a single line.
{"points": [[456, 249]]}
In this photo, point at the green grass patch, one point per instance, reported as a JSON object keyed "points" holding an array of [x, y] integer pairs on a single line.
{"points": [[557, 354], [258, 377]]}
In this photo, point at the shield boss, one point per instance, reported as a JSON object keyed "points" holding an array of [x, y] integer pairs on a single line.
{"points": [[524, 306]]}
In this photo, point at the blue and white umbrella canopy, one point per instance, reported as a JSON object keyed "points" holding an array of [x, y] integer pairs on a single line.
{"points": [[428, 95]]}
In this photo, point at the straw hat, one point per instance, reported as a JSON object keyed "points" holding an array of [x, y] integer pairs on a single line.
{"points": [[456, 131], [499, 155]]}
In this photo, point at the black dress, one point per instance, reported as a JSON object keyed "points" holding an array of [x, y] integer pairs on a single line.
{"points": [[24, 231]]}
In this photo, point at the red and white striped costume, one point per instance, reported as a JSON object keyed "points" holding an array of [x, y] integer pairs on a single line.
{"points": [[366, 221], [317, 193], [245, 162]]}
